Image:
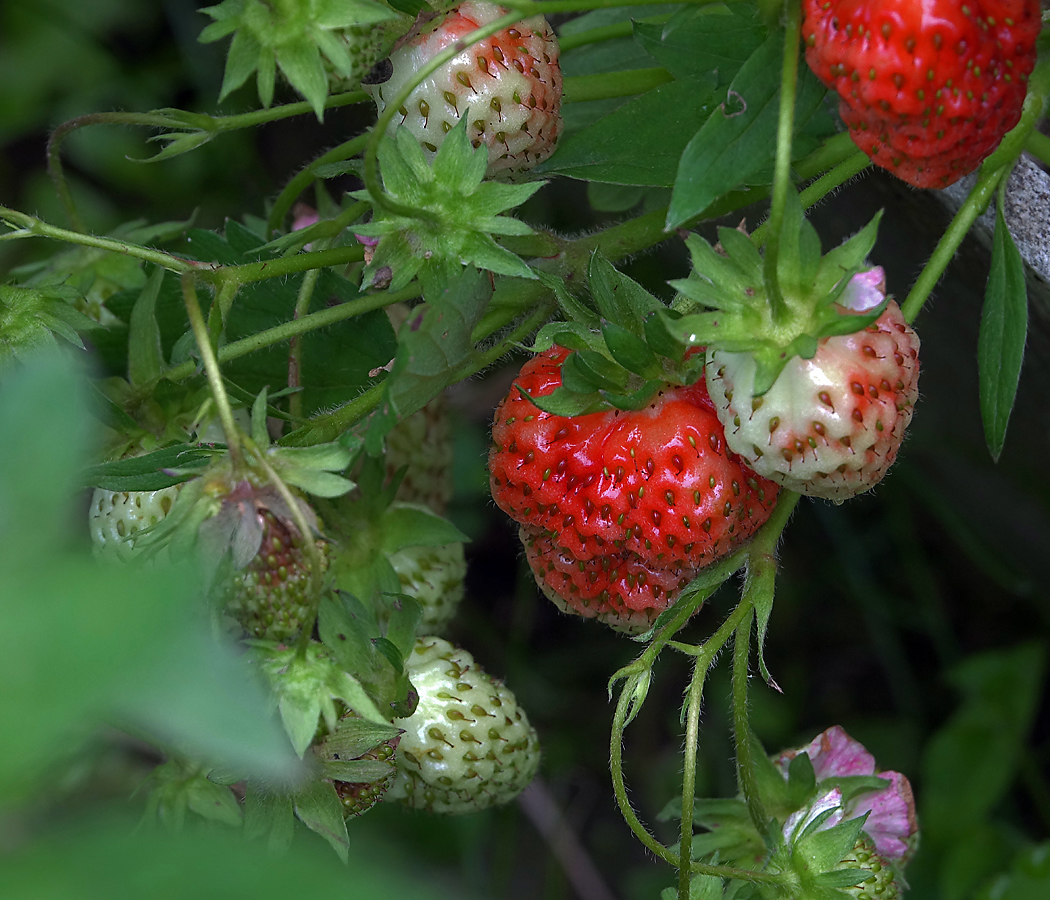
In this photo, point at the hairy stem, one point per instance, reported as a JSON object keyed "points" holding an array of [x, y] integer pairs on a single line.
{"points": [[295, 348], [30, 226], [280, 333], [782, 167], [303, 179], [211, 368]]}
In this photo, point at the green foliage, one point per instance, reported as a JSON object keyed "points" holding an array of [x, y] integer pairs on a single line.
{"points": [[297, 37], [454, 213], [1004, 327]]}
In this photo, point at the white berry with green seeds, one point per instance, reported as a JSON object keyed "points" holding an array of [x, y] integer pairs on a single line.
{"points": [[468, 745]]}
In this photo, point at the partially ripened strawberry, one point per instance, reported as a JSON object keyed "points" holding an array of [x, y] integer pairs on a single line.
{"points": [[830, 426], [927, 89], [468, 745], [880, 881], [620, 508], [421, 447], [273, 595], [508, 84]]}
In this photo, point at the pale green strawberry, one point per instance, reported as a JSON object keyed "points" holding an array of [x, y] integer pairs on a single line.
{"points": [[421, 445], [468, 745], [435, 577], [116, 519]]}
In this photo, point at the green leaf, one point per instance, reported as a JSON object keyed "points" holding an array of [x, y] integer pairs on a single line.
{"points": [[347, 636], [142, 473], [434, 340], [1004, 328], [300, 61], [737, 142], [641, 142], [699, 42], [241, 60], [586, 371], [409, 526], [620, 299], [319, 809], [268, 816], [630, 351], [355, 737], [176, 144], [359, 771], [145, 355], [563, 402], [982, 743]]}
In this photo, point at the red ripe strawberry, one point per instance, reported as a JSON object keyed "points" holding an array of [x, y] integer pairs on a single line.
{"points": [[829, 426], [620, 509], [928, 89], [619, 589], [509, 83]]}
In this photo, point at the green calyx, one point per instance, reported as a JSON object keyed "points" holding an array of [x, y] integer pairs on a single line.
{"points": [[623, 351], [728, 305], [305, 39], [457, 212], [32, 319]]}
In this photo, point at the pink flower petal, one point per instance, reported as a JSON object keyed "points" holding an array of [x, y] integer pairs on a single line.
{"points": [[865, 291], [892, 824]]}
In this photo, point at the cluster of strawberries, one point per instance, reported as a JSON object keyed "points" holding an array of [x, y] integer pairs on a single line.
{"points": [[620, 509]]}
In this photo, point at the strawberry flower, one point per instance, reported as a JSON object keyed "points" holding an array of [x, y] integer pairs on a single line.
{"points": [[891, 824]]}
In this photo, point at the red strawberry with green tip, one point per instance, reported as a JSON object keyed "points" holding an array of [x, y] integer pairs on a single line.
{"points": [[619, 509], [927, 89]]}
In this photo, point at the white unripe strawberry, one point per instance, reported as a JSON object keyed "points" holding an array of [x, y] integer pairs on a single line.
{"points": [[435, 577], [468, 745], [508, 84], [116, 518]]}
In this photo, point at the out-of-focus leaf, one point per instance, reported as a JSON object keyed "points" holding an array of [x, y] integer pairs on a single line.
{"points": [[112, 860], [980, 745]]}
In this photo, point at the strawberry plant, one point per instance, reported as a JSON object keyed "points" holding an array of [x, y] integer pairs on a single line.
{"points": [[577, 302]]}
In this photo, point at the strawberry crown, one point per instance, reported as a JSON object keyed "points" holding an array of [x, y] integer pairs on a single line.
{"points": [[459, 212], [820, 295], [622, 352]]}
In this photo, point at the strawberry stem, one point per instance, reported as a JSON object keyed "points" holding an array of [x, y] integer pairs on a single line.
{"points": [[24, 225], [184, 122], [211, 368], [305, 177], [819, 189], [295, 345], [782, 168], [280, 333]]}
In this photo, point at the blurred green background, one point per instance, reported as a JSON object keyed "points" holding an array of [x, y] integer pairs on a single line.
{"points": [[916, 617]]}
